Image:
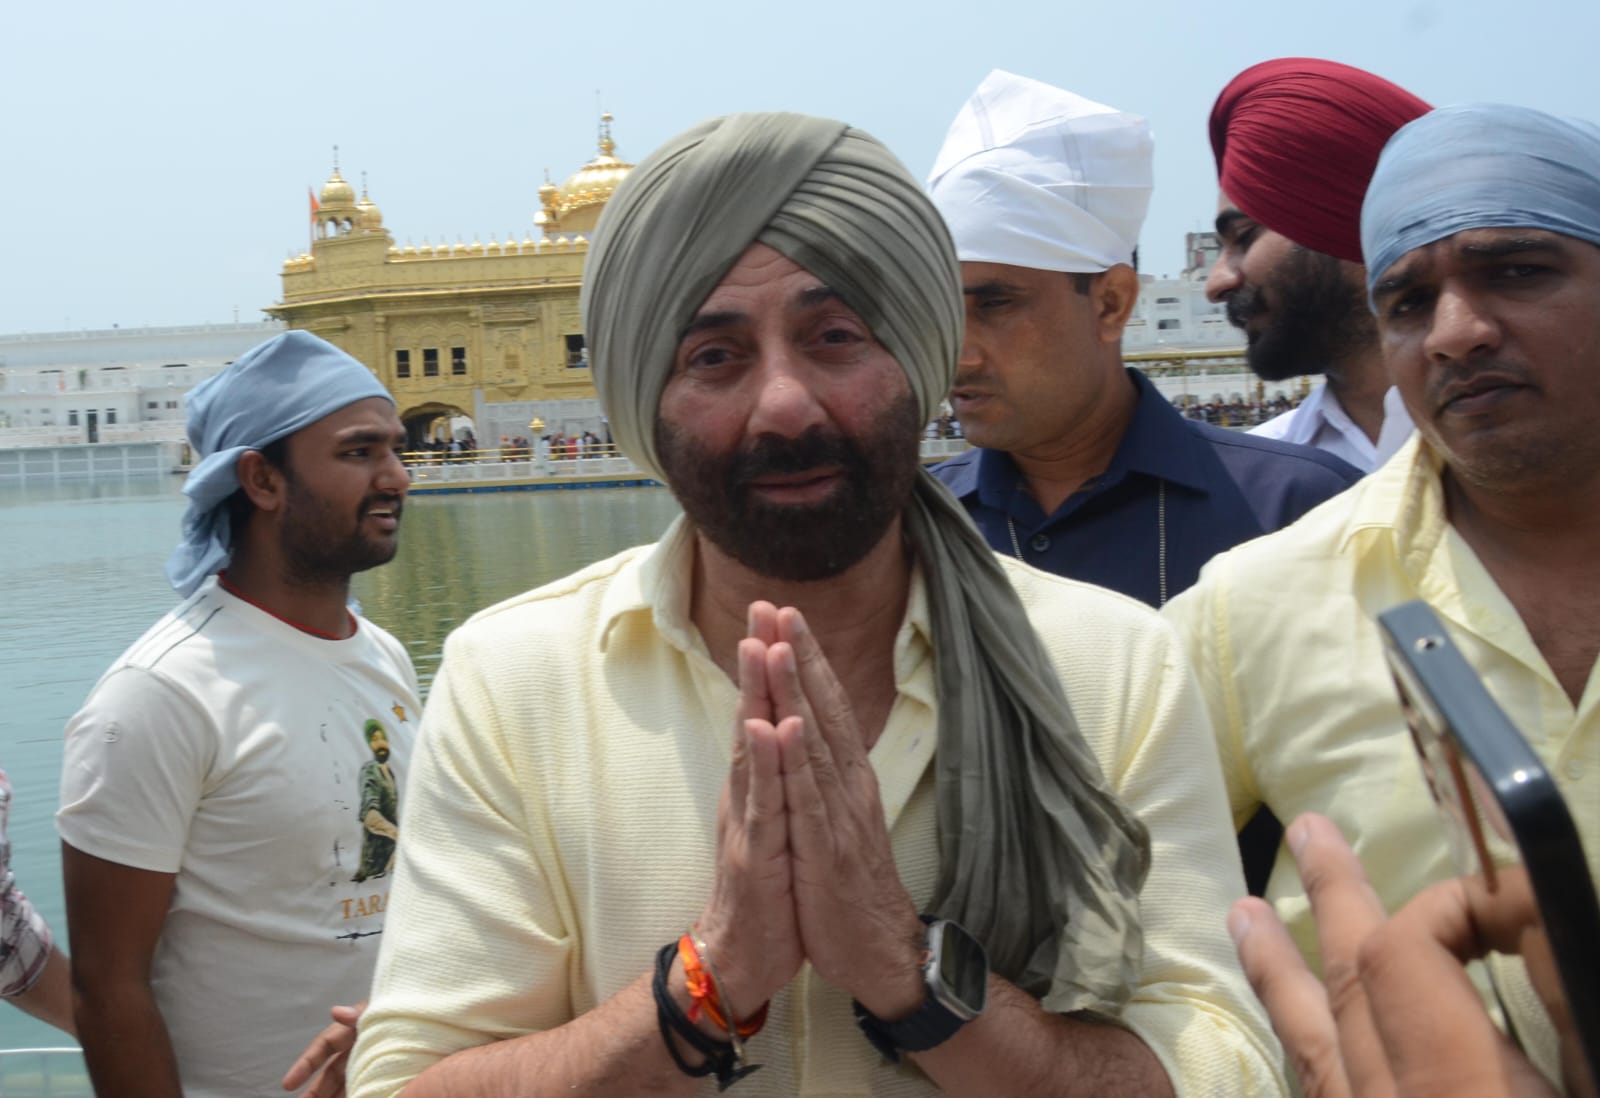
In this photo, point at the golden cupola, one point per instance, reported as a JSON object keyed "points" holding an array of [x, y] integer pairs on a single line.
{"points": [[336, 192], [369, 219], [335, 214], [575, 206]]}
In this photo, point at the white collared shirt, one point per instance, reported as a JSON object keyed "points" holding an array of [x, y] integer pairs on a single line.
{"points": [[1321, 421]]}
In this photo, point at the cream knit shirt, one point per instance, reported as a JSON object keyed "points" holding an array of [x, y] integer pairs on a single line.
{"points": [[560, 828]]}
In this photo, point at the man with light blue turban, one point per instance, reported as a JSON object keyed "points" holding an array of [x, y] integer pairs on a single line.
{"points": [[211, 813], [272, 391], [1480, 231]]}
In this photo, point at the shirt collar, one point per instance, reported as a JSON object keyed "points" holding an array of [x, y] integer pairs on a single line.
{"points": [[1318, 407], [1158, 443], [960, 473], [1400, 509], [1404, 496], [1161, 443], [1322, 409], [659, 582]]}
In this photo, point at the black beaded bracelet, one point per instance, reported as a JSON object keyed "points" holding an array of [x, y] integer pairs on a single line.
{"points": [[720, 1058]]}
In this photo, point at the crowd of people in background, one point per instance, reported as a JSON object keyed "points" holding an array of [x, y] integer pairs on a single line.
{"points": [[1236, 412]]}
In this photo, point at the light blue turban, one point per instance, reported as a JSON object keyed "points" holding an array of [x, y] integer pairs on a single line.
{"points": [[1478, 166], [269, 392]]}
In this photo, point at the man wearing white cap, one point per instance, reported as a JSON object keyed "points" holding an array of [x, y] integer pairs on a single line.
{"points": [[1085, 469], [212, 814]]}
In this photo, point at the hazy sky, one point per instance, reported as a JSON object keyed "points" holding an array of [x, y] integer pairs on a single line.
{"points": [[154, 158]]}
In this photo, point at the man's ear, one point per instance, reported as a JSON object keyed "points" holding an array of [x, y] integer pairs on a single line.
{"points": [[260, 480], [1113, 294]]}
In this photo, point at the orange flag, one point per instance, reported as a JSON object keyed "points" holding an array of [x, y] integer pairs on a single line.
{"points": [[315, 205]]}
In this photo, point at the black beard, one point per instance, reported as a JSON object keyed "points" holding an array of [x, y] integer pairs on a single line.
{"points": [[1318, 319], [799, 543], [321, 547], [381, 754]]}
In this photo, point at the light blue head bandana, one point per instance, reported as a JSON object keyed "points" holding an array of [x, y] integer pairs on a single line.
{"points": [[270, 391], [1478, 166]]}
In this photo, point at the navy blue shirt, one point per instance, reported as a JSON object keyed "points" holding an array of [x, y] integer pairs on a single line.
{"points": [[1222, 487]]}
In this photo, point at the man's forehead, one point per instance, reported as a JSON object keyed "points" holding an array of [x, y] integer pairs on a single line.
{"points": [[761, 267], [373, 414], [975, 274]]}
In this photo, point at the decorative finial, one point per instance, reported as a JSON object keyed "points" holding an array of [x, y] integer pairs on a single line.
{"points": [[363, 186], [336, 160], [607, 146]]}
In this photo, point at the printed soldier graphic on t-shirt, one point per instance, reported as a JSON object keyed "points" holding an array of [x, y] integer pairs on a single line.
{"points": [[380, 807]]}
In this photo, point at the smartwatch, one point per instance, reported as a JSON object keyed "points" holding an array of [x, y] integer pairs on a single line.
{"points": [[956, 972]]}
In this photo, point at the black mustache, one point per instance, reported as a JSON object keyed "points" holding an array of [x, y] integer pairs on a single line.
{"points": [[1243, 305], [771, 454], [1461, 379]]}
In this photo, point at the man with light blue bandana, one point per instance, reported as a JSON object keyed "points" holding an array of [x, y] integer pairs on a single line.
{"points": [[1480, 231], [211, 806]]}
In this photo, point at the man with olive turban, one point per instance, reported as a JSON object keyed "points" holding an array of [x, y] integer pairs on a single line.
{"points": [[677, 815]]}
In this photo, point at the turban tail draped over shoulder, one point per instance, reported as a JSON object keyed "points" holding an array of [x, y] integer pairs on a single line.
{"points": [[1478, 166], [269, 392], [1038, 858], [1296, 140]]}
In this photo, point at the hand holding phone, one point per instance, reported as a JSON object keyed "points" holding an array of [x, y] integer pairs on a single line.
{"points": [[1396, 1013], [1507, 823]]}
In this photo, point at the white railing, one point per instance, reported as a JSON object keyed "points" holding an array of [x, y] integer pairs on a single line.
{"points": [[937, 449], [426, 472], [22, 438], [482, 466]]}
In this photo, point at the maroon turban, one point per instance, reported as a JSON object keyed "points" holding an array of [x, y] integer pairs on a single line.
{"points": [[1296, 142]]}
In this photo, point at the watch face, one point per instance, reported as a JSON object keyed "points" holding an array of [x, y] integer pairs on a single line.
{"points": [[962, 967]]}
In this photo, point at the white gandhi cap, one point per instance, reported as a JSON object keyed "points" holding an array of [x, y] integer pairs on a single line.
{"points": [[1034, 176]]}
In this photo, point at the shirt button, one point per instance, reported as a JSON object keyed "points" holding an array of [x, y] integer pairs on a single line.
{"points": [[1574, 769], [1039, 543]]}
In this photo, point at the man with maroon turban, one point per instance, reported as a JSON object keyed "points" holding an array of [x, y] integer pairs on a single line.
{"points": [[1296, 141]]}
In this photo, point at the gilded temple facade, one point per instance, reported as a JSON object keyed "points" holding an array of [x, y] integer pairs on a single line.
{"points": [[489, 331]]}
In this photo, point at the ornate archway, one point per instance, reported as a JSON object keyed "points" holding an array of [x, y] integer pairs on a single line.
{"points": [[429, 423]]}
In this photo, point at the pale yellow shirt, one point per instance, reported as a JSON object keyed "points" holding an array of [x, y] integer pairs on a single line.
{"points": [[1284, 636], [560, 828]]}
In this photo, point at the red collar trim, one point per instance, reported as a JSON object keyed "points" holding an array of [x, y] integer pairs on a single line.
{"points": [[222, 582]]}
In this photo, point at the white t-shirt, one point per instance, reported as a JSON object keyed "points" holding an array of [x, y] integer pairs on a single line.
{"points": [[228, 747]]}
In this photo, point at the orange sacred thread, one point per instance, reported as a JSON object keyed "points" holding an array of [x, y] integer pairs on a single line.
{"points": [[704, 993]]}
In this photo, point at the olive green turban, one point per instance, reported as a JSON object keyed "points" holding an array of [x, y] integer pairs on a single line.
{"points": [[1038, 858], [687, 214]]}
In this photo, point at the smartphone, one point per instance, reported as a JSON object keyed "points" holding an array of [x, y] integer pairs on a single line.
{"points": [[1500, 805]]}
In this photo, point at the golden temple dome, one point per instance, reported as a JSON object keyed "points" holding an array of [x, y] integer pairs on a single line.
{"points": [[336, 191], [368, 216], [587, 189]]}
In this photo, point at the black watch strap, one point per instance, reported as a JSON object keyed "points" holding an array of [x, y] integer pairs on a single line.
{"points": [[930, 1025]]}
